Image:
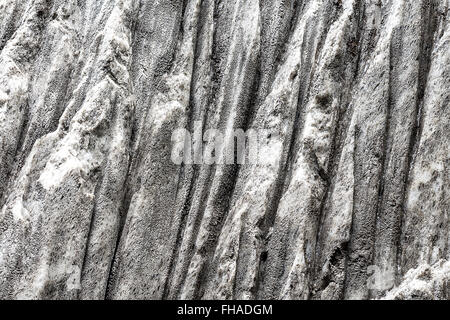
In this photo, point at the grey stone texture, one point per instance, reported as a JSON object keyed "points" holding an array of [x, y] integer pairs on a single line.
{"points": [[91, 206]]}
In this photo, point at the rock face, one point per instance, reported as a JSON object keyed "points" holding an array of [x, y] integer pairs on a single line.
{"points": [[424, 283], [353, 204]]}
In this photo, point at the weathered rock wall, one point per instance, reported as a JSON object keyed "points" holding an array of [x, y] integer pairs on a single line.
{"points": [[356, 91]]}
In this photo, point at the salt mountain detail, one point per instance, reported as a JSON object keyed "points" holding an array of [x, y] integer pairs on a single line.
{"points": [[354, 205]]}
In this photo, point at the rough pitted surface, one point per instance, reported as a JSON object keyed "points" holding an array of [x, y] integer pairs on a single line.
{"points": [[424, 283], [357, 92]]}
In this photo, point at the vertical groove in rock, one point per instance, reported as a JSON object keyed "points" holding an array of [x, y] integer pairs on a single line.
{"points": [[348, 102]]}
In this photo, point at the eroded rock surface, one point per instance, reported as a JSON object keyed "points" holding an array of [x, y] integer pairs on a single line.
{"points": [[357, 93]]}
